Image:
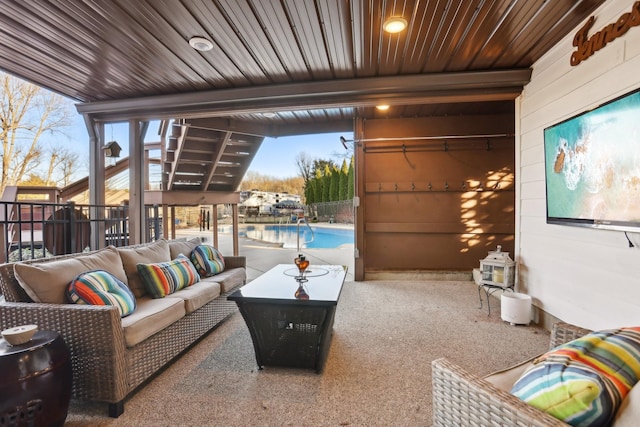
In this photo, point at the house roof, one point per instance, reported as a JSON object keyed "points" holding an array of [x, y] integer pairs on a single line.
{"points": [[309, 61], [277, 67]]}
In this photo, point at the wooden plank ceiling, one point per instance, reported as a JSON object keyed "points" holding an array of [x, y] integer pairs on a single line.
{"points": [[311, 65]]}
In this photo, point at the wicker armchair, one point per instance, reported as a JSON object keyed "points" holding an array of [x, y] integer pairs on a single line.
{"points": [[463, 399]]}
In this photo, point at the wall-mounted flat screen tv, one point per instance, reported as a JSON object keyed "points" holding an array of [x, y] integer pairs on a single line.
{"points": [[592, 167]]}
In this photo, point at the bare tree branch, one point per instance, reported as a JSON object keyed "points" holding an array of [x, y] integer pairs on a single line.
{"points": [[26, 113], [304, 164], [62, 164]]}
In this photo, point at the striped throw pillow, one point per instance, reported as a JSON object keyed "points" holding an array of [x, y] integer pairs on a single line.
{"points": [[584, 381], [207, 260], [99, 287], [164, 278]]}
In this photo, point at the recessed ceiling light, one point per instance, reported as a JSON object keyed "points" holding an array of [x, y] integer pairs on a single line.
{"points": [[395, 24], [200, 43], [382, 107], [269, 114]]}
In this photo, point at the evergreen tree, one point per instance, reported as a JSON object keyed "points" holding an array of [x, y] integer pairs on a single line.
{"points": [[351, 181], [326, 184], [318, 186], [334, 192], [320, 165], [309, 192], [344, 184]]}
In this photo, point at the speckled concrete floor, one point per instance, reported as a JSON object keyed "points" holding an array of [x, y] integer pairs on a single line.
{"points": [[378, 372]]}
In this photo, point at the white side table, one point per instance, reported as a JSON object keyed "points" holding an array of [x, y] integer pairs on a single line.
{"points": [[515, 308]]}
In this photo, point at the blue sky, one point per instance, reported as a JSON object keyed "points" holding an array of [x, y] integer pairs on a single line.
{"points": [[275, 158]]}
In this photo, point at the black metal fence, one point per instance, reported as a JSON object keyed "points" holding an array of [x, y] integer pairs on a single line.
{"points": [[35, 230]]}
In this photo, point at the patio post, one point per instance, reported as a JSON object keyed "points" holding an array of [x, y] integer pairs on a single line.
{"points": [[95, 130], [214, 220], [236, 229], [137, 129]]}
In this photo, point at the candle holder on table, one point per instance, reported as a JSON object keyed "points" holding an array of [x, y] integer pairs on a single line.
{"points": [[302, 263]]}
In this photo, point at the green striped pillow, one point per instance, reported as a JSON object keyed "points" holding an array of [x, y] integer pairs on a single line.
{"points": [[99, 287], [164, 278], [207, 260], [584, 381]]}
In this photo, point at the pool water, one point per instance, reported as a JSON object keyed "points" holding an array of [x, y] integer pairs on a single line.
{"points": [[323, 237]]}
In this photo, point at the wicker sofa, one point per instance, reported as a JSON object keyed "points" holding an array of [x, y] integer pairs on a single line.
{"points": [[463, 399], [106, 366]]}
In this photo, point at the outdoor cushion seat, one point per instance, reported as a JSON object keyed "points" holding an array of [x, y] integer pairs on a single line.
{"points": [[47, 281], [207, 260], [197, 295], [165, 278], [183, 246], [113, 355], [459, 396], [100, 287], [584, 381], [505, 378], [228, 279], [151, 316], [629, 411], [131, 256], [627, 415]]}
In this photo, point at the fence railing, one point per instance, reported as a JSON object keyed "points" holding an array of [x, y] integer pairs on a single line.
{"points": [[340, 212], [38, 229]]}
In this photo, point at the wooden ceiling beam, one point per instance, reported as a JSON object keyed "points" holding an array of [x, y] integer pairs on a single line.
{"points": [[191, 198], [208, 124], [407, 89], [273, 130]]}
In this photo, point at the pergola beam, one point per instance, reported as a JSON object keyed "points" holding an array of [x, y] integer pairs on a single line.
{"points": [[225, 124], [405, 90], [191, 198]]}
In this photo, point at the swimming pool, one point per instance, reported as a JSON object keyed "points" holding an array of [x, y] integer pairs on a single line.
{"points": [[324, 237]]}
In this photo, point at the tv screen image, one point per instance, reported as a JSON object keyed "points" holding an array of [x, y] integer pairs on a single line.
{"points": [[592, 167]]}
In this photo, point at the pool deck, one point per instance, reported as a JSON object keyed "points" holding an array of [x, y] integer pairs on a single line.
{"points": [[262, 256]]}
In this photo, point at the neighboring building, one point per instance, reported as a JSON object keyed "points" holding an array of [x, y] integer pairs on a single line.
{"points": [[255, 202]]}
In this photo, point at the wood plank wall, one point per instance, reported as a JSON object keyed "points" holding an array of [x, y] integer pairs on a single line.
{"points": [[583, 276], [425, 205]]}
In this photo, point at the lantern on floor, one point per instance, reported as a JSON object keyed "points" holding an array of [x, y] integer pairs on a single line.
{"points": [[497, 269]]}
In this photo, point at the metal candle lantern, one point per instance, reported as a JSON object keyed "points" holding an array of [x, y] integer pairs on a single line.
{"points": [[497, 269]]}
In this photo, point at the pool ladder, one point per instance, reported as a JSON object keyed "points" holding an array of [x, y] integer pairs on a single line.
{"points": [[310, 229]]}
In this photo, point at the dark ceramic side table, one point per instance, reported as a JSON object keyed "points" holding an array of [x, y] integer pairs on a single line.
{"points": [[35, 381]]}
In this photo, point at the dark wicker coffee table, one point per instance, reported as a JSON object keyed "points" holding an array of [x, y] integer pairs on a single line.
{"points": [[287, 331]]}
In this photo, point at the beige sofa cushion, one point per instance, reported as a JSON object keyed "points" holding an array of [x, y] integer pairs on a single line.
{"points": [[144, 254], [47, 281], [628, 414], [506, 378], [185, 247], [197, 295], [228, 279], [151, 316]]}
